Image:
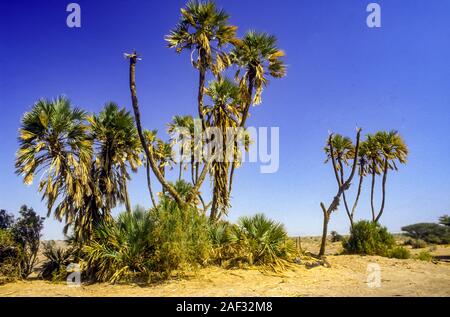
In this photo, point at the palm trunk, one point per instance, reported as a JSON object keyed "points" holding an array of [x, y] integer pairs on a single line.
{"points": [[347, 209], [372, 192], [385, 172], [361, 178], [251, 78], [137, 115], [326, 220], [127, 197], [149, 184]]}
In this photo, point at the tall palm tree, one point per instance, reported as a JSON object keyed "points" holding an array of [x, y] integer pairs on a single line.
{"points": [[393, 150], [258, 56], [223, 114], [203, 30], [343, 184], [117, 148], [372, 151], [54, 143]]}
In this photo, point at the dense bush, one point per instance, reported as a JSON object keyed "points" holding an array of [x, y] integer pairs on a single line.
{"points": [[368, 238], [20, 241], [145, 243], [10, 255], [429, 232], [399, 253]]}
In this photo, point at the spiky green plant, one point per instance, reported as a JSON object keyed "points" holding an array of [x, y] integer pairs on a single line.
{"points": [[264, 241], [56, 261]]}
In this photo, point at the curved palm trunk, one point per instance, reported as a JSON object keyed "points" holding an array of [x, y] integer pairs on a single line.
{"points": [[383, 200], [361, 178], [347, 209], [372, 191], [137, 115], [149, 185]]}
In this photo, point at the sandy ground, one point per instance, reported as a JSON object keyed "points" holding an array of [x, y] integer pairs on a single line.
{"points": [[346, 277]]}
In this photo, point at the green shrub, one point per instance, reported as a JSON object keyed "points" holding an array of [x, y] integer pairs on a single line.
{"points": [[10, 255], [261, 241], [399, 253], [424, 256], [368, 238], [56, 262], [151, 243], [416, 243], [429, 232], [336, 237]]}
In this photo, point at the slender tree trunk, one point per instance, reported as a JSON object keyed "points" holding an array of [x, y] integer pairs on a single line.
{"points": [[326, 219], [361, 179], [149, 185], [127, 196], [137, 115], [383, 193], [372, 191], [347, 209], [251, 79]]}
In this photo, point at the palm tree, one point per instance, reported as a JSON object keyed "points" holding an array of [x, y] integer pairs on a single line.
{"points": [[203, 30], [259, 57], [343, 151], [150, 137], [372, 151], [343, 184], [392, 149], [222, 114], [117, 147], [54, 143]]}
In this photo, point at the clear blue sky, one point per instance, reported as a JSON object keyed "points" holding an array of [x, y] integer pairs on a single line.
{"points": [[341, 73]]}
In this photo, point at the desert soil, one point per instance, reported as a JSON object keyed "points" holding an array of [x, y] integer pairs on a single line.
{"points": [[347, 276]]}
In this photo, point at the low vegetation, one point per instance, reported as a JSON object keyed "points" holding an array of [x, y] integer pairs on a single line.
{"points": [[368, 238], [429, 232]]}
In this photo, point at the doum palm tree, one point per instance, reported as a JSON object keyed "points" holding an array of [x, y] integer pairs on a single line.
{"points": [[117, 147], [259, 58], [392, 149], [203, 30], [55, 144]]}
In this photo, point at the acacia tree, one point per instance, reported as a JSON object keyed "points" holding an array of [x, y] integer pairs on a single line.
{"points": [[342, 185]]}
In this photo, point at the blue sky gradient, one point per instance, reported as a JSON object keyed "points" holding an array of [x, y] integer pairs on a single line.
{"points": [[340, 74]]}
